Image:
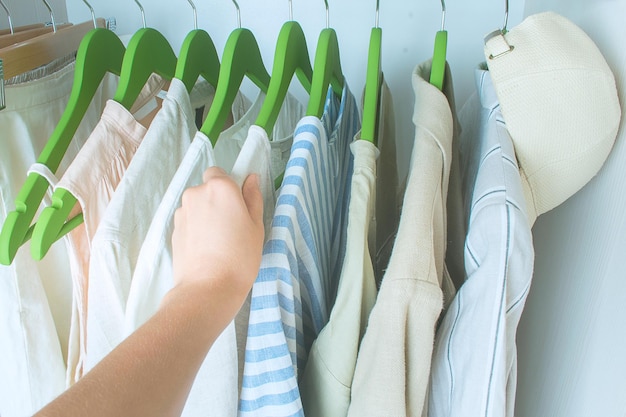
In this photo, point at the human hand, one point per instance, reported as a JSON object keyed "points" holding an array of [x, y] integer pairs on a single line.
{"points": [[218, 240]]}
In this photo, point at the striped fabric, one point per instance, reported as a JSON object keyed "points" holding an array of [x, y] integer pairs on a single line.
{"points": [[292, 295], [474, 362]]}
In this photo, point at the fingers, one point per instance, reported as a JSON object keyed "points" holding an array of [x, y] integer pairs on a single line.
{"points": [[213, 172], [253, 199]]}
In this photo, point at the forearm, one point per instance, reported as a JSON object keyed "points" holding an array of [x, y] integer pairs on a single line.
{"points": [[151, 372]]}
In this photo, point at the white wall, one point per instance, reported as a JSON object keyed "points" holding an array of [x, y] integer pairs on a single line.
{"points": [[25, 12], [572, 338], [408, 34]]}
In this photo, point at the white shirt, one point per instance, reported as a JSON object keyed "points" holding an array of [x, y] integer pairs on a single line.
{"points": [[121, 232], [35, 297], [474, 360], [216, 387]]}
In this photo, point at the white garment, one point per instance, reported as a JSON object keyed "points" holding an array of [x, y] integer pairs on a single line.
{"points": [[121, 232], [393, 364], [35, 297], [474, 362], [216, 387], [92, 179]]}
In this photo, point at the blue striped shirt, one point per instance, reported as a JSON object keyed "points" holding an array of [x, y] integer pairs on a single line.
{"points": [[302, 257], [474, 368]]}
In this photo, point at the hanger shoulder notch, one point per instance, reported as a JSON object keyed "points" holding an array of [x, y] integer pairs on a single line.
{"points": [[327, 71], [148, 52], [198, 57], [291, 57], [241, 57]]}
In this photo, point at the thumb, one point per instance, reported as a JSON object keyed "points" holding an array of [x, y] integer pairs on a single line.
{"points": [[253, 199]]}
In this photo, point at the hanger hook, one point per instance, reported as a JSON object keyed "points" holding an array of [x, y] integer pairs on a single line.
{"points": [[93, 14], [327, 15], [143, 14], [443, 15], [506, 15], [377, 13], [54, 25], [290, 10], [195, 14], [238, 13], [8, 16]]}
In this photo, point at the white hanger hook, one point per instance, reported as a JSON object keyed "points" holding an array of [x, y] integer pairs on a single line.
{"points": [[93, 14], [443, 15], [54, 25], [195, 14], [377, 13], [143, 14], [238, 13], [8, 15], [290, 10]]}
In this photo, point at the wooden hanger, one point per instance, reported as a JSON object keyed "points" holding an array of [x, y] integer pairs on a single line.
{"points": [[291, 57], [148, 52], [33, 53], [197, 57], [241, 57], [100, 51], [327, 70], [438, 67], [17, 29], [373, 81], [11, 39]]}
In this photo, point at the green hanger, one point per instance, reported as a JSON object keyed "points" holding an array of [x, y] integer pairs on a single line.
{"points": [[438, 67], [197, 57], [100, 51], [241, 58], [373, 80], [291, 57], [327, 70], [148, 52]]}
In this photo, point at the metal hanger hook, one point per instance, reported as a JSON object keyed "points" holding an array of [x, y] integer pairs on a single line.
{"points": [[93, 14], [54, 25], [327, 15], [377, 13], [443, 15], [238, 13], [195, 14], [8, 15], [506, 15], [143, 14]]}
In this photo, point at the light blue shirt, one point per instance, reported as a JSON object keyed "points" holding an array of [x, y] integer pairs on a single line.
{"points": [[474, 362], [302, 258]]}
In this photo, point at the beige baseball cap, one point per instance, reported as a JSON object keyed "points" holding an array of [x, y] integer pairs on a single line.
{"points": [[559, 101]]}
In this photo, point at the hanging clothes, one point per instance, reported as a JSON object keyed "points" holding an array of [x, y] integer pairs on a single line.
{"points": [[36, 296], [288, 301], [520, 157], [393, 365], [92, 178], [475, 342], [372, 223], [216, 387], [122, 230]]}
